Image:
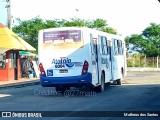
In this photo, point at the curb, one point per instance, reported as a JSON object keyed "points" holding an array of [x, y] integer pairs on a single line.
{"points": [[20, 84]]}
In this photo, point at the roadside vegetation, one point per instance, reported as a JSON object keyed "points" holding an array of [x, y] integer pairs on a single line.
{"points": [[28, 29], [145, 44]]}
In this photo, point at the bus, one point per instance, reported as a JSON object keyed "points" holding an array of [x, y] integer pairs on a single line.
{"points": [[80, 56]]}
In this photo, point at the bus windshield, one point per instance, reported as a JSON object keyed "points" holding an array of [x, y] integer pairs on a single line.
{"points": [[62, 39]]}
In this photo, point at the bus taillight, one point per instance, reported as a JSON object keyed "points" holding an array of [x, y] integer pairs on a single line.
{"points": [[42, 69], [85, 67]]}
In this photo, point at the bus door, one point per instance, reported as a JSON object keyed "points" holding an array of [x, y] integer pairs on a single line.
{"points": [[114, 52], [94, 51], [110, 60], [105, 57]]}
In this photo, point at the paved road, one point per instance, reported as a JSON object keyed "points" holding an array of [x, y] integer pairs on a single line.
{"points": [[142, 78], [133, 95]]}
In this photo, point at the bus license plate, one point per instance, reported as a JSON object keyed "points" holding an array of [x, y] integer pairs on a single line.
{"points": [[63, 71]]}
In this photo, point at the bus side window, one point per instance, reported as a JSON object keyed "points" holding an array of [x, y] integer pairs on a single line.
{"points": [[93, 43], [115, 47], [100, 39], [123, 47], [109, 49], [104, 46], [119, 46]]}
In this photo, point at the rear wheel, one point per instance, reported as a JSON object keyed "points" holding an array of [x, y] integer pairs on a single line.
{"points": [[62, 88], [102, 86], [119, 81]]}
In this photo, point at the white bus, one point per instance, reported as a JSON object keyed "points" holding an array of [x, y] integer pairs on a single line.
{"points": [[79, 56]]}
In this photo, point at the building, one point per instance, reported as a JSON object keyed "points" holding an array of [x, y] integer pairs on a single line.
{"points": [[10, 45]]}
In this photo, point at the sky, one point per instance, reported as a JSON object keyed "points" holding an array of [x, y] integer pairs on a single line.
{"points": [[126, 16]]}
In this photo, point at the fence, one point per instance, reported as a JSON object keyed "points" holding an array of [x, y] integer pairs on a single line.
{"points": [[139, 63]]}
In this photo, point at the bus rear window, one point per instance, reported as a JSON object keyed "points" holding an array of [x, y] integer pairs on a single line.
{"points": [[62, 39]]}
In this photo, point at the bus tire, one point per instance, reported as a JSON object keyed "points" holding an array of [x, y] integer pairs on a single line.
{"points": [[62, 88], [119, 82], [101, 87]]}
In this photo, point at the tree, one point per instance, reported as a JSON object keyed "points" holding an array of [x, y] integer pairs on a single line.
{"points": [[74, 22], [148, 42], [28, 29], [109, 30]]}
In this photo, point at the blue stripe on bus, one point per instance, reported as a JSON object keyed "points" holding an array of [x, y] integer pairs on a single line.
{"points": [[81, 79]]}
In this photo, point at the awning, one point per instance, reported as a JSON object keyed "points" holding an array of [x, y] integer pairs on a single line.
{"points": [[25, 53], [2, 51], [10, 40]]}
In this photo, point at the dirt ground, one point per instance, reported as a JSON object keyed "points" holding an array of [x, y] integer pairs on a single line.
{"points": [[142, 78]]}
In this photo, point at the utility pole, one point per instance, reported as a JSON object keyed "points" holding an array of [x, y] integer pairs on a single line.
{"points": [[9, 15]]}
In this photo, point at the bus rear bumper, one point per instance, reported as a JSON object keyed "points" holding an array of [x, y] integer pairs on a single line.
{"points": [[73, 81]]}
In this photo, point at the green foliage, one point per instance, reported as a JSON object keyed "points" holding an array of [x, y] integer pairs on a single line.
{"points": [[148, 42], [99, 23], [74, 22], [28, 29], [109, 30]]}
